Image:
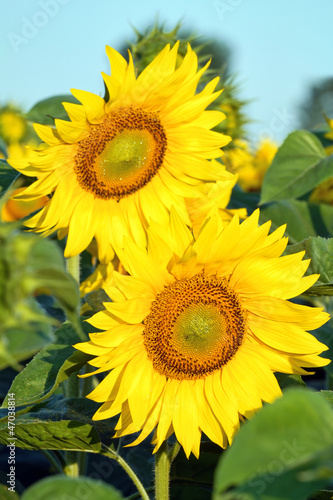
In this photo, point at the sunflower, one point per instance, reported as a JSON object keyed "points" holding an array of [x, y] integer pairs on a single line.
{"points": [[194, 334], [125, 159]]}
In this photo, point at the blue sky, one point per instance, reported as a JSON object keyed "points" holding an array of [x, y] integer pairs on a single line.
{"points": [[280, 48]]}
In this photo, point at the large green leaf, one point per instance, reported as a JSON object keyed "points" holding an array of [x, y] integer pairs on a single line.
{"points": [[284, 453], [51, 366], [303, 219], [47, 110], [21, 345], [68, 488], [58, 424], [299, 165], [5, 494], [320, 251]]}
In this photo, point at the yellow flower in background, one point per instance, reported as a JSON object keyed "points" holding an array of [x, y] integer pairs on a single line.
{"points": [[216, 197], [323, 193], [250, 167], [14, 209], [194, 334], [12, 126], [120, 162], [238, 155]]}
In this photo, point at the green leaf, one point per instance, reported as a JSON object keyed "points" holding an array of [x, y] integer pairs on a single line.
{"points": [[7, 175], [51, 366], [320, 251], [5, 494], [58, 424], [68, 488], [303, 219], [284, 453], [96, 299], [288, 381], [299, 165], [325, 335], [318, 290], [31, 265], [21, 346], [328, 395], [47, 110]]}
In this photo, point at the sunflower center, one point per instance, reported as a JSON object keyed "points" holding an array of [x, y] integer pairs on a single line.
{"points": [[195, 326], [121, 154]]}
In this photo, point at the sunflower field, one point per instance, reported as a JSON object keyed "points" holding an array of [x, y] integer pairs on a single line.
{"points": [[165, 291]]}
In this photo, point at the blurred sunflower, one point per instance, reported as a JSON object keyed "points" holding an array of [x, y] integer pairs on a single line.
{"points": [[13, 209], [129, 158], [13, 126], [193, 336], [251, 167]]}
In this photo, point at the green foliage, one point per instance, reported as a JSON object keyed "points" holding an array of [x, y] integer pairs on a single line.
{"points": [[320, 251], [303, 219], [61, 488], [299, 165], [47, 110], [7, 175], [5, 494], [31, 265], [51, 366], [284, 453], [58, 424]]}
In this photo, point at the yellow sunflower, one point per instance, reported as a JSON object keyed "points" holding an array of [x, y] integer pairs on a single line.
{"points": [[194, 334], [129, 158]]}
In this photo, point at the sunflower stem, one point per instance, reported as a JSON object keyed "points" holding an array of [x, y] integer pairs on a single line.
{"points": [[129, 471], [162, 472], [73, 267], [174, 452], [75, 463], [53, 459]]}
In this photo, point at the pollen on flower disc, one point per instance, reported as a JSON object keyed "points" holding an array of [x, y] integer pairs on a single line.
{"points": [[194, 327], [121, 154]]}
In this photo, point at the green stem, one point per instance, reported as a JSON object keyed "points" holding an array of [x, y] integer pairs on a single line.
{"points": [[129, 471], [174, 452], [73, 267], [53, 459], [162, 472], [75, 463]]}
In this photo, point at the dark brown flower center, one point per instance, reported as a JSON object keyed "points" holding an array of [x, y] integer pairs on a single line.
{"points": [[195, 327], [121, 154]]}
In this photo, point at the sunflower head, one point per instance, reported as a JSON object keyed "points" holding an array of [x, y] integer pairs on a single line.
{"points": [[193, 336], [120, 162]]}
